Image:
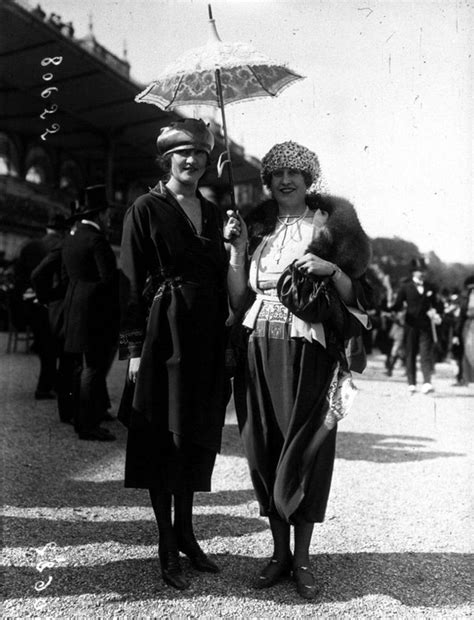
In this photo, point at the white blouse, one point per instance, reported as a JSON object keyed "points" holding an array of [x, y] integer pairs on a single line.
{"points": [[287, 243], [276, 251]]}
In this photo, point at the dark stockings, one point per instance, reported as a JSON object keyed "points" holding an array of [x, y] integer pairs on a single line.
{"points": [[173, 536], [161, 503], [281, 538], [281, 541], [303, 535], [183, 519]]}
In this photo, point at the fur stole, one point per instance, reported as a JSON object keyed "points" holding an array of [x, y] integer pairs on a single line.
{"points": [[341, 240]]}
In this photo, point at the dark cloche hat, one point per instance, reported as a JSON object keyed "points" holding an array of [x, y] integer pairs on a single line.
{"points": [[91, 200], [57, 221], [188, 133], [418, 264]]}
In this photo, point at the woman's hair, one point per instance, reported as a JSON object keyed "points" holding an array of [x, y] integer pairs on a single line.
{"points": [[163, 163]]}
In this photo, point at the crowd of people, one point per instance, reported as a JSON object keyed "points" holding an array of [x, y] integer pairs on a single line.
{"points": [[66, 288], [418, 321], [284, 290]]}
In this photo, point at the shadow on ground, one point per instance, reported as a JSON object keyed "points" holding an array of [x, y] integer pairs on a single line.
{"points": [[100, 467], [362, 447], [37, 532], [411, 578]]}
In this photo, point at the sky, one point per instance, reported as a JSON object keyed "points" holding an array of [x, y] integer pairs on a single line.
{"points": [[385, 103]]}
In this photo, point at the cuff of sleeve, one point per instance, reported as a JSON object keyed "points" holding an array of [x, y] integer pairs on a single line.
{"points": [[131, 344]]}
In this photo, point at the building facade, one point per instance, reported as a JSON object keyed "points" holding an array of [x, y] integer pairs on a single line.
{"points": [[68, 120]]}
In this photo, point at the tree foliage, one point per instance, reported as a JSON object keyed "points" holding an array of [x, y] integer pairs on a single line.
{"points": [[392, 256]]}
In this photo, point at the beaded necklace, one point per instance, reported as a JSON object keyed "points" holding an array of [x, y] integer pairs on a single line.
{"points": [[286, 223]]}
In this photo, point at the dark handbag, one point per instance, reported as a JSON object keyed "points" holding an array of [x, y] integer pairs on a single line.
{"points": [[315, 300], [308, 298]]}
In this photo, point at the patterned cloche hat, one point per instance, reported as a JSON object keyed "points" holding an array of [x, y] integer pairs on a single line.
{"points": [[290, 155], [185, 134]]}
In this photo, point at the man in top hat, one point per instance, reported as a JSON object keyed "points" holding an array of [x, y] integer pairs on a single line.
{"points": [[91, 309], [423, 312], [34, 312]]}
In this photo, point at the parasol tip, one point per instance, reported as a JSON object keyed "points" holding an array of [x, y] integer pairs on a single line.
{"points": [[209, 10]]}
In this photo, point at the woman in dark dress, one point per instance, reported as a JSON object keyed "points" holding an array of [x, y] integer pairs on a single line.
{"points": [[282, 389], [175, 269]]}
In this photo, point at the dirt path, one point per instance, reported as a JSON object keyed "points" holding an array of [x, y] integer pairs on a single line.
{"points": [[396, 541]]}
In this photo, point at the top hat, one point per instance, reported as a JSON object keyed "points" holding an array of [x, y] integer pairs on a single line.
{"points": [[188, 133], [418, 264], [57, 222], [91, 200]]}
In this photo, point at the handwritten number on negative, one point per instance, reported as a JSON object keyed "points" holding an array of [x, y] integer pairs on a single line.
{"points": [[55, 127], [56, 60], [51, 110]]}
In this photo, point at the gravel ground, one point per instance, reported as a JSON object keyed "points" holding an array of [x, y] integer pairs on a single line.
{"points": [[395, 544]]}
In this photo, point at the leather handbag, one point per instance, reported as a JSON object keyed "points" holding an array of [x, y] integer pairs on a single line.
{"points": [[310, 299]]}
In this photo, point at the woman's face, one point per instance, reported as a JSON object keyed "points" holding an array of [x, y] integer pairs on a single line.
{"points": [[288, 187], [188, 166]]}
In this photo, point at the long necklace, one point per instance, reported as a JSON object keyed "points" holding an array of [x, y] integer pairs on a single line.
{"points": [[286, 225]]}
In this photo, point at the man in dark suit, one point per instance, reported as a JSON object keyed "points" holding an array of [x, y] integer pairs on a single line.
{"points": [[50, 283], [423, 313], [91, 309], [35, 312]]}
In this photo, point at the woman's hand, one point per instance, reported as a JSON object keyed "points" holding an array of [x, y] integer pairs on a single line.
{"points": [[315, 266], [133, 367], [235, 232]]}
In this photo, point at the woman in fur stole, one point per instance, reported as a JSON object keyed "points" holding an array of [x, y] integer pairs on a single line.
{"points": [[281, 389]]}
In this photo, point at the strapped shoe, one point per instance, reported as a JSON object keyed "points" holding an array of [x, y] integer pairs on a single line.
{"points": [[198, 558], [305, 583], [273, 572], [171, 570]]}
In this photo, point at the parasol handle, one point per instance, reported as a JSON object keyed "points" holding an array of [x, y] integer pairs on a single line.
{"points": [[222, 162], [226, 143]]}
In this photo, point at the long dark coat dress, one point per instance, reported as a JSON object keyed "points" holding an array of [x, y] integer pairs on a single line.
{"points": [[175, 308]]}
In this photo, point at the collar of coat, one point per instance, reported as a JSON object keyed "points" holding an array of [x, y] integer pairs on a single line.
{"points": [[161, 191], [341, 240]]}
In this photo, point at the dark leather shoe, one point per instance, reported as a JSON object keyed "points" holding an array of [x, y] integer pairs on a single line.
{"points": [[97, 434], [171, 570], [108, 417], [198, 558], [275, 570], [305, 582]]}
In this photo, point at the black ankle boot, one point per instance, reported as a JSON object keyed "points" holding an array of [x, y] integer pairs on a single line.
{"points": [[197, 557], [171, 570]]}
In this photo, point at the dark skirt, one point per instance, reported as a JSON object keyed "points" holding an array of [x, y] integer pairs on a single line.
{"points": [[166, 463], [176, 410], [280, 396]]}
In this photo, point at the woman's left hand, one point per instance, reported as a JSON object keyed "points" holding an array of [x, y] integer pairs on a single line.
{"points": [[315, 266]]}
